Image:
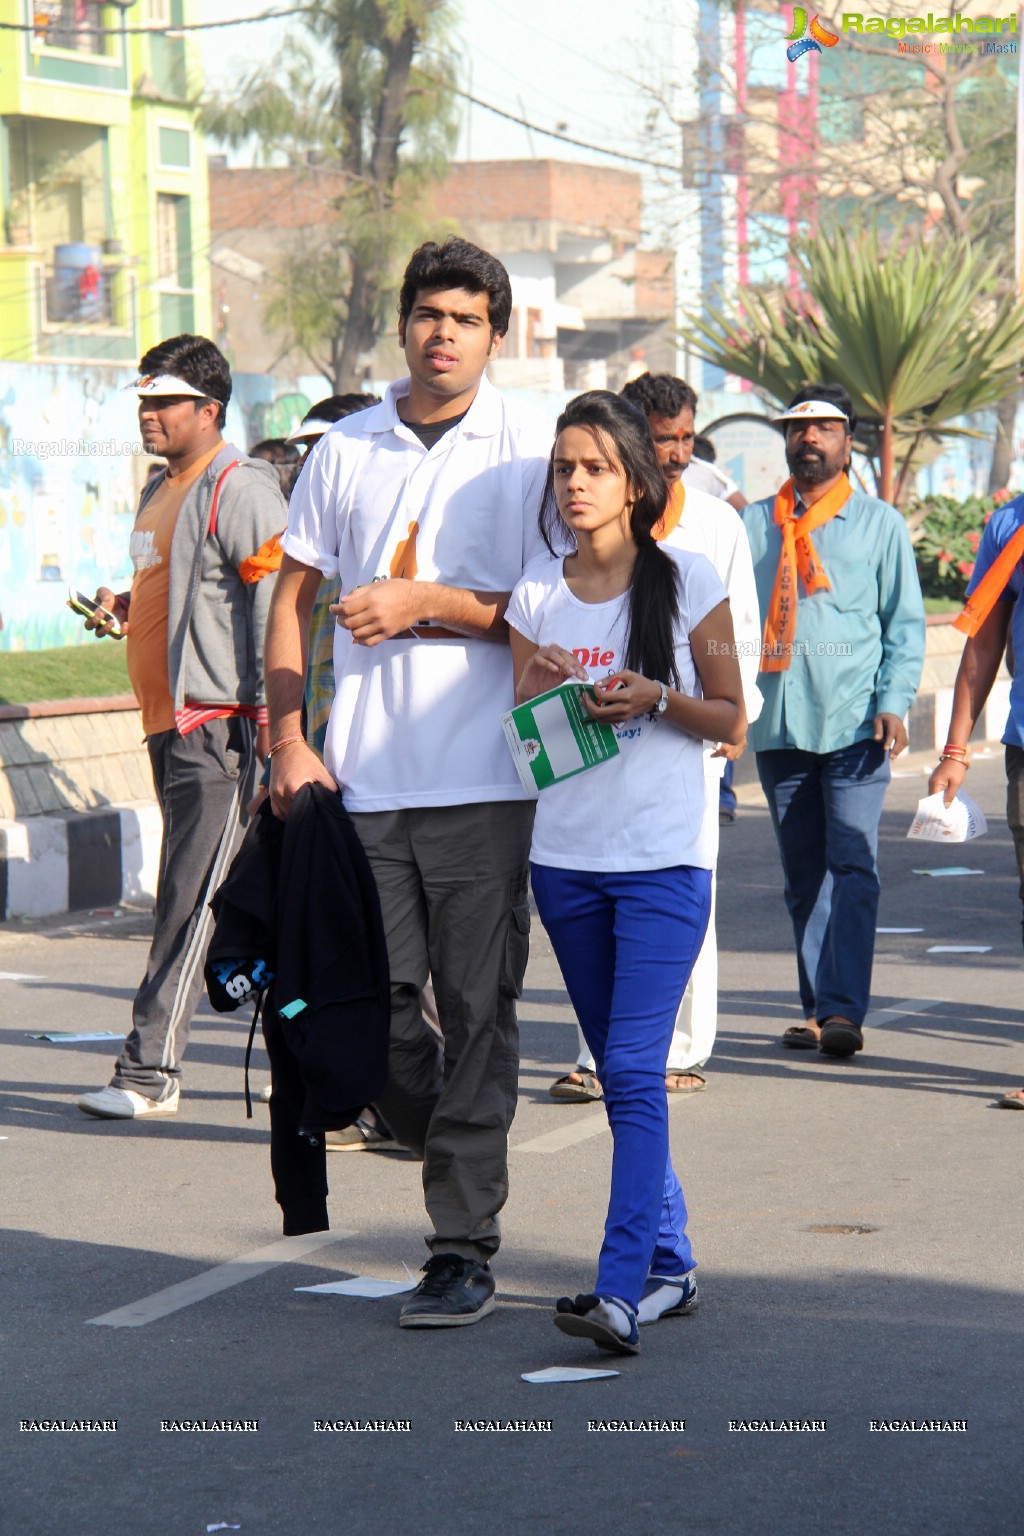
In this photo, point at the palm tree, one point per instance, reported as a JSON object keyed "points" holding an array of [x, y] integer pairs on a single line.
{"points": [[383, 118], [915, 332]]}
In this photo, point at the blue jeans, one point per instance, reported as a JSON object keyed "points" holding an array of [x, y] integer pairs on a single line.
{"points": [[626, 944], [825, 808]]}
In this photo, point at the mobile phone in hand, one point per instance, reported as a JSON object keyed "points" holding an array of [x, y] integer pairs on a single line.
{"points": [[89, 608]]}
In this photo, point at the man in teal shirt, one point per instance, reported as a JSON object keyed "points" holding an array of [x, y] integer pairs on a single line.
{"points": [[841, 662]]}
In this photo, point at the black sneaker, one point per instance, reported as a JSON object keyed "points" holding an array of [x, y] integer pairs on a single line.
{"points": [[453, 1292]]}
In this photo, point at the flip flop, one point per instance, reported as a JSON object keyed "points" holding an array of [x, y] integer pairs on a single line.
{"points": [[589, 1091], [840, 1038], [801, 1037], [1014, 1100]]}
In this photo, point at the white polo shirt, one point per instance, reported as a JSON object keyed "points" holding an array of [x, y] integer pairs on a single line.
{"points": [[711, 527], [417, 721]]}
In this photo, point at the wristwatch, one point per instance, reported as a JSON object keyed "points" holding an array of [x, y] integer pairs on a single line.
{"points": [[662, 704]]}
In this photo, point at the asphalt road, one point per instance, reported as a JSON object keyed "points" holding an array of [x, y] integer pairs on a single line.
{"points": [[857, 1225]]}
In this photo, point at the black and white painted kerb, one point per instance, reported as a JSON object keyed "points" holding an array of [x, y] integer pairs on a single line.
{"points": [[55, 864]]}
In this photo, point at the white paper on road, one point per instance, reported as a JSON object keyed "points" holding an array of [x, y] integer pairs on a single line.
{"points": [[951, 869], [19, 976], [959, 949], [899, 930], [565, 1373], [935, 822], [361, 1285], [68, 1037]]}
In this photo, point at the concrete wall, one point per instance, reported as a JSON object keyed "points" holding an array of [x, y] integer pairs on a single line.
{"points": [[79, 826]]}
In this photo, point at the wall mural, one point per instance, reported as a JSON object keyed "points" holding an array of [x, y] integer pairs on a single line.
{"points": [[71, 468]]}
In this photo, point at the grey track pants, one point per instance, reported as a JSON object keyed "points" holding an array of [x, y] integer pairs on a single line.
{"points": [[203, 782], [453, 883]]}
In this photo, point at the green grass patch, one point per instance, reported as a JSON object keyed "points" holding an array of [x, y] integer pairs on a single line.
{"points": [[943, 604], [94, 671]]}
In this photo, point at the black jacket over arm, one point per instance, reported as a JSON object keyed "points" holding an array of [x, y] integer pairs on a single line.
{"points": [[301, 898]]}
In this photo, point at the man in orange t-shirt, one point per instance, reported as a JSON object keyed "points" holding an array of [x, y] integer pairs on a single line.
{"points": [[194, 621]]}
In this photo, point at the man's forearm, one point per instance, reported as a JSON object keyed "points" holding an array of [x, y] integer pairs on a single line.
{"points": [[480, 615], [978, 668], [286, 648]]}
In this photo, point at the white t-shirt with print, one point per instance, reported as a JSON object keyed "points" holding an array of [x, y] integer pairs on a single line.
{"points": [[643, 809], [416, 720]]}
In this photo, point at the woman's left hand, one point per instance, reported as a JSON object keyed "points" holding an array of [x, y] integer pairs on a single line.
{"points": [[622, 697]]}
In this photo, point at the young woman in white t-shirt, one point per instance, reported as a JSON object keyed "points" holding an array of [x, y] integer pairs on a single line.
{"points": [[620, 874]]}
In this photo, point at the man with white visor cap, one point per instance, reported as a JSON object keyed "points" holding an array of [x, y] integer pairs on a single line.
{"points": [[841, 660], [204, 553]]}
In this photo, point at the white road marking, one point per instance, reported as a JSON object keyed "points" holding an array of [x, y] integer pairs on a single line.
{"points": [[879, 1018], [585, 1124], [959, 949], [137, 1313]]}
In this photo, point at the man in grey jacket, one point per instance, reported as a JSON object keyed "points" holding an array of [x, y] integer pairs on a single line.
{"points": [[205, 553]]}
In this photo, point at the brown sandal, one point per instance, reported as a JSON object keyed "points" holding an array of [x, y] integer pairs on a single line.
{"points": [[802, 1037], [586, 1091]]}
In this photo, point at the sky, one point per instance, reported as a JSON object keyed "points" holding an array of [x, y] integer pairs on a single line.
{"points": [[559, 63]]}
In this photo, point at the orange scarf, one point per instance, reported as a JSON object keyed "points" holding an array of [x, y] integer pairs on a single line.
{"points": [[264, 562], [798, 556], [669, 520], [991, 586]]}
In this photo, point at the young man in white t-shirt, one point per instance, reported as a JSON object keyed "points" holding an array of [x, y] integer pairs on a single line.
{"points": [[426, 508]]}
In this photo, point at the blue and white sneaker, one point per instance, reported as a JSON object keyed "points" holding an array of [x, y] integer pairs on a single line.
{"points": [[667, 1296], [611, 1323]]}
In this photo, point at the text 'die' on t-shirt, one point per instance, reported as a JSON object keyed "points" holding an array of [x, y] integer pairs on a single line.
{"points": [[643, 809]]}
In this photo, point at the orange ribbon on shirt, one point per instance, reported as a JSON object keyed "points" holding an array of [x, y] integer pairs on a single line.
{"points": [[798, 556], [991, 587], [669, 520]]}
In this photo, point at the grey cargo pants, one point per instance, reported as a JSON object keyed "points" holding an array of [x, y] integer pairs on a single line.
{"points": [[453, 884]]}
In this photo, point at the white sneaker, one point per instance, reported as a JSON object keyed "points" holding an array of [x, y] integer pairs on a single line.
{"points": [[112, 1103]]}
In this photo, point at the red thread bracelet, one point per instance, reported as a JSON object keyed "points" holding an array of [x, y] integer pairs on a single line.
{"points": [[286, 741]]}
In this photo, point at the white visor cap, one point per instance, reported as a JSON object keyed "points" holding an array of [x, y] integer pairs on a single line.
{"points": [[165, 384], [314, 427], [812, 410]]}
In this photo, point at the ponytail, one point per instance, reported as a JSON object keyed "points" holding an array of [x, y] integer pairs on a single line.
{"points": [[653, 614]]}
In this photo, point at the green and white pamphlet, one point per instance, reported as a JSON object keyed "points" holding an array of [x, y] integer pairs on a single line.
{"points": [[552, 737]]}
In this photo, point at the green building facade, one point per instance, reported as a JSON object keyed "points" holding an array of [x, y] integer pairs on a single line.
{"points": [[104, 203]]}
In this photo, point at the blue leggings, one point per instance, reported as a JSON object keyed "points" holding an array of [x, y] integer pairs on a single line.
{"points": [[626, 944]]}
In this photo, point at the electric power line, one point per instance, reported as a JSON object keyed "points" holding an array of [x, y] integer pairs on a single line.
{"points": [[564, 138], [160, 30]]}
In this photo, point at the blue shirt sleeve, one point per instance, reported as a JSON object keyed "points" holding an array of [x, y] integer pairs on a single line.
{"points": [[999, 530], [901, 614]]}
